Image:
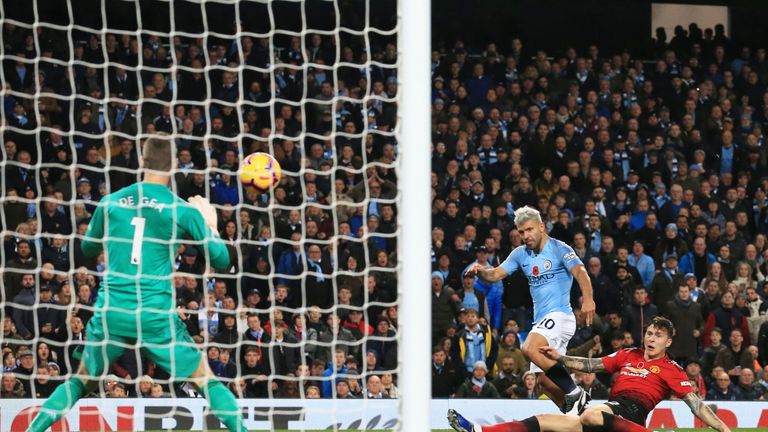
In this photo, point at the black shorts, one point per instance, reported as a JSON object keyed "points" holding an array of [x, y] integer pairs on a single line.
{"points": [[629, 409]]}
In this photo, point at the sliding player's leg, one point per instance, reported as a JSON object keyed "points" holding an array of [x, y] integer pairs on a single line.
{"points": [[99, 353], [614, 423], [539, 423], [178, 354], [614, 416], [596, 419]]}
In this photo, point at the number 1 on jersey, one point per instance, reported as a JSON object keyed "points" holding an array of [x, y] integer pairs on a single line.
{"points": [[138, 237]]}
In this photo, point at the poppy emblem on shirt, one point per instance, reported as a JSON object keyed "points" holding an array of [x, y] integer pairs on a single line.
{"points": [[535, 270]]}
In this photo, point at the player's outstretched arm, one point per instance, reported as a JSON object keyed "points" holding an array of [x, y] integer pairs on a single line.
{"points": [[202, 225], [487, 274], [582, 364], [704, 413]]}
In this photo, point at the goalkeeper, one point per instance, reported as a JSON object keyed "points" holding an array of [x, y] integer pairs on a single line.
{"points": [[142, 224]]}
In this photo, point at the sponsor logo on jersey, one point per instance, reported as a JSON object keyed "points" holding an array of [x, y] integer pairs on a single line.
{"points": [[630, 370], [538, 280], [685, 384], [569, 256]]}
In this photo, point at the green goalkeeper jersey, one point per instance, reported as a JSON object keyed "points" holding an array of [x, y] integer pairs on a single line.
{"points": [[140, 227]]}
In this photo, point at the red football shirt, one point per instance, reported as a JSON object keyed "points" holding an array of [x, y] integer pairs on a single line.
{"points": [[647, 382]]}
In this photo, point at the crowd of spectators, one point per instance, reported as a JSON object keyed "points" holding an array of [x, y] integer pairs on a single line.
{"points": [[307, 307], [653, 169]]}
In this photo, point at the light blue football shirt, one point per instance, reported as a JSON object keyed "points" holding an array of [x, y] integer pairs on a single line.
{"points": [[548, 273]]}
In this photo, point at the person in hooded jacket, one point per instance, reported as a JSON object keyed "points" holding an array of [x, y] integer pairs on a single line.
{"points": [[685, 314], [639, 314]]}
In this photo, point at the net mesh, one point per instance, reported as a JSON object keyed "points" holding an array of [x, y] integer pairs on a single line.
{"points": [[312, 83]]}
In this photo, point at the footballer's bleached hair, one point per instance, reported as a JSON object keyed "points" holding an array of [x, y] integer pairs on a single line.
{"points": [[525, 214]]}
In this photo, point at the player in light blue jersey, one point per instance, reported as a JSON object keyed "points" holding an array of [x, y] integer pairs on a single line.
{"points": [[550, 266]]}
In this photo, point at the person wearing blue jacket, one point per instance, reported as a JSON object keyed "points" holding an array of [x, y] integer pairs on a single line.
{"points": [[643, 263], [698, 260], [226, 189], [336, 369]]}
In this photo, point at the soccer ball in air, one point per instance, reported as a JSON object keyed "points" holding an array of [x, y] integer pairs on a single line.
{"points": [[260, 172]]}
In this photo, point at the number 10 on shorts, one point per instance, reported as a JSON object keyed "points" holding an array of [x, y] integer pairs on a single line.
{"points": [[547, 323]]}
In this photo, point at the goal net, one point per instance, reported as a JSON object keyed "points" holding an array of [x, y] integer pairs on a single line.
{"points": [[307, 307]]}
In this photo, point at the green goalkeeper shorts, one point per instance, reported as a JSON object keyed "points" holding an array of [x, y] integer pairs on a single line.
{"points": [[169, 346]]}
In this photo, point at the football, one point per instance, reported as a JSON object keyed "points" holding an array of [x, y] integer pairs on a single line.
{"points": [[260, 172]]}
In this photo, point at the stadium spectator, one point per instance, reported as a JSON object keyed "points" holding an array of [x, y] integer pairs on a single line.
{"points": [[43, 385], [507, 380], [746, 385], [445, 306], [665, 282], [724, 390], [472, 344], [639, 312], [477, 385], [334, 332], [642, 262], [735, 357], [11, 387], [22, 314], [388, 385], [685, 314], [255, 336], [374, 388], [384, 344], [509, 346], [256, 373], [144, 388], [697, 261], [529, 390], [336, 367], [607, 296], [726, 318], [18, 267], [342, 389], [445, 378], [694, 372]]}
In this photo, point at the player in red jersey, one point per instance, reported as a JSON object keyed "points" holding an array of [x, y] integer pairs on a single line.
{"points": [[645, 378]]}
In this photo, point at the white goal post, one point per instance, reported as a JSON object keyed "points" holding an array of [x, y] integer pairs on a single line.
{"points": [[415, 214]]}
